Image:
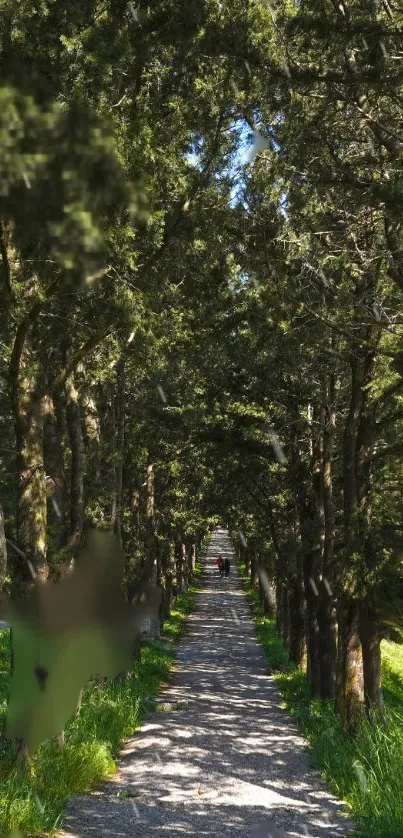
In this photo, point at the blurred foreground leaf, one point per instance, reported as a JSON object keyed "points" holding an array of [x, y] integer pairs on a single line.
{"points": [[67, 632]]}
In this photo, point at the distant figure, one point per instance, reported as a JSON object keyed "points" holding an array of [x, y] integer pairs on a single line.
{"points": [[227, 565], [220, 564]]}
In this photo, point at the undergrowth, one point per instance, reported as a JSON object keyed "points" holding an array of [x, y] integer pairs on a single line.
{"points": [[33, 797], [366, 772]]}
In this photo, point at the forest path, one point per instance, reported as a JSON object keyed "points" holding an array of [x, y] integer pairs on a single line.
{"points": [[233, 762]]}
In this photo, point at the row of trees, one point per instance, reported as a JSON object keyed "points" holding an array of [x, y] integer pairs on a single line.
{"points": [[102, 106], [322, 241], [186, 335]]}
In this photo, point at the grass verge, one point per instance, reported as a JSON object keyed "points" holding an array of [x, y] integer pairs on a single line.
{"points": [[32, 799], [368, 772]]}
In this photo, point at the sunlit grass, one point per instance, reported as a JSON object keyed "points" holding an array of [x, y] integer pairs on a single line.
{"points": [[392, 672], [367, 772], [33, 797]]}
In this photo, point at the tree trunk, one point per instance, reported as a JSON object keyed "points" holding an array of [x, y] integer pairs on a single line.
{"points": [[253, 566], [268, 589], [312, 641], [297, 621], [327, 615], [152, 567], [120, 441], [112, 476], [279, 586], [307, 490], [180, 566], [74, 430], [271, 600], [370, 637], [3, 552], [32, 500], [350, 681], [327, 619], [285, 615], [151, 545], [189, 562], [245, 553], [135, 506], [92, 435], [314, 555], [53, 459], [186, 567], [166, 577], [161, 581]]}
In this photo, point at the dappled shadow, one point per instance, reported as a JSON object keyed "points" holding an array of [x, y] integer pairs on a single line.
{"points": [[233, 762]]}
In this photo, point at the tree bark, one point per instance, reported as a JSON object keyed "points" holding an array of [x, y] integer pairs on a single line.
{"points": [[135, 507], [180, 566], [268, 589], [53, 459], [285, 615], [349, 700], [327, 615], [3, 552], [279, 586], [297, 621], [120, 441], [270, 600], [312, 640], [112, 476], [32, 500], [166, 577], [327, 618], [92, 436], [350, 680], [150, 539], [370, 637], [74, 430], [161, 581], [253, 566], [307, 491], [314, 555], [189, 561]]}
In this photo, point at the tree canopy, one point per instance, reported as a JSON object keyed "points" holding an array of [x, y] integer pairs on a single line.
{"points": [[201, 278]]}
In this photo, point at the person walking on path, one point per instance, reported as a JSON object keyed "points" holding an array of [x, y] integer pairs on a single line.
{"points": [[220, 565], [227, 565]]}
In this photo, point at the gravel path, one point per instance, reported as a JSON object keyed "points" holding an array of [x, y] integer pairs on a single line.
{"points": [[232, 763]]}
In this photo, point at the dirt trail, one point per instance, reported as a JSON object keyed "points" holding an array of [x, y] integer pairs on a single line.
{"points": [[232, 763]]}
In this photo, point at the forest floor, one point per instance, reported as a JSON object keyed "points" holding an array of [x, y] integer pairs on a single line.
{"points": [[221, 756]]}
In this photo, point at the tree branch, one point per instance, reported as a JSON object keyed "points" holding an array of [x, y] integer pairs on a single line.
{"points": [[74, 360], [364, 344], [5, 263], [386, 451], [17, 350]]}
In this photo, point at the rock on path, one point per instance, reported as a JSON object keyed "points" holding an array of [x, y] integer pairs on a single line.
{"points": [[232, 763]]}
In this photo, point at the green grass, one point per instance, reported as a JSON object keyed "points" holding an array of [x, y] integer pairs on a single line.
{"points": [[368, 772], [32, 798]]}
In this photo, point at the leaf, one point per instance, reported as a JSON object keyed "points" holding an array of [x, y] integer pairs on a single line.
{"points": [[67, 632]]}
